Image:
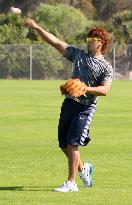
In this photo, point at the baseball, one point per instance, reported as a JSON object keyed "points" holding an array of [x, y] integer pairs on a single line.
{"points": [[15, 10]]}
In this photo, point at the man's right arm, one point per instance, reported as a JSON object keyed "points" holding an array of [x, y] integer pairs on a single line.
{"points": [[48, 37]]}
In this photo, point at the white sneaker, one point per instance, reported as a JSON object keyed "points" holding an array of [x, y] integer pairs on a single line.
{"points": [[68, 186], [86, 175]]}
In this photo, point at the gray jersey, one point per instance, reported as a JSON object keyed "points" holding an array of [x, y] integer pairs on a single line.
{"points": [[90, 70]]}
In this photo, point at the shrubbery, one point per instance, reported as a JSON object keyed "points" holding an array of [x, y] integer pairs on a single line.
{"points": [[67, 23]]}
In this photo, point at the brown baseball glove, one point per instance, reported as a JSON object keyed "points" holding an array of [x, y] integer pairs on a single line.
{"points": [[74, 87]]}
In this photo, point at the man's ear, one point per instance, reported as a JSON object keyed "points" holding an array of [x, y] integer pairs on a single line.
{"points": [[100, 45]]}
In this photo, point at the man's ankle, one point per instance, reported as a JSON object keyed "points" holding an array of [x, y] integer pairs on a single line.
{"points": [[71, 181]]}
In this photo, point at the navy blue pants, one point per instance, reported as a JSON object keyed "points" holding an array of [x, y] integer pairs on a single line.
{"points": [[74, 123]]}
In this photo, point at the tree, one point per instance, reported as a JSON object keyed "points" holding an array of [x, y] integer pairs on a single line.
{"points": [[25, 6], [63, 21], [106, 8], [28, 5], [86, 7], [122, 27], [12, 30]]}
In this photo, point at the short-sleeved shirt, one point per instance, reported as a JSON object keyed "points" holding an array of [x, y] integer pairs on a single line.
{"points": [[91, 70]]}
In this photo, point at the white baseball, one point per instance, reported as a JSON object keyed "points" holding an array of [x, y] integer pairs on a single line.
{"points": [[15, 10]]}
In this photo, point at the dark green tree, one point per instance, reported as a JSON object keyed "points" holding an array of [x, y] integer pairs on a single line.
{"points": [[106, 8]]}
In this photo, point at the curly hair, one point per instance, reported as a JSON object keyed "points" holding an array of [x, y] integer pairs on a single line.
{"points": [[100, 33]]}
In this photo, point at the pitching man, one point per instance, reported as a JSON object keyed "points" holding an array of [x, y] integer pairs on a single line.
{"points": [[91, 77]]}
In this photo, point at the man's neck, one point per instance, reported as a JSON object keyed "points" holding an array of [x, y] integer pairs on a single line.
{"points": [[98, 55]]}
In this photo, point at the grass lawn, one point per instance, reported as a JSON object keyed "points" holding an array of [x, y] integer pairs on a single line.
{"points": [[31, 164]]}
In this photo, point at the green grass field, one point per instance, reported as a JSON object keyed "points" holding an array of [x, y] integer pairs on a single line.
{"points": [[31, 164]]}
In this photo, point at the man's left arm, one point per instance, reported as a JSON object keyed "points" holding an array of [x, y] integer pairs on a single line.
{"points": [[105, 85], [99, 90]]}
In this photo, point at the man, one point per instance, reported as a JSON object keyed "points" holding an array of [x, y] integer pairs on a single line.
{"points": [[77, 112]]}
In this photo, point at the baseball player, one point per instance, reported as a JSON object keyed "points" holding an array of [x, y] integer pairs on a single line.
{"points": [[91, 77]]}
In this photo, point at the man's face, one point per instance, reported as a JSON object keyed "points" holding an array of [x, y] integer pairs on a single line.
{"points": [[94, 44]]}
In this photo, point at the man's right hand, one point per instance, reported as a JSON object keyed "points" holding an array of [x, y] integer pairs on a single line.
{"points": [[30, 23]]}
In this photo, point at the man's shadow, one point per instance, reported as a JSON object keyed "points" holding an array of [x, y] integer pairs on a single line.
{"points": [[27, 188]]}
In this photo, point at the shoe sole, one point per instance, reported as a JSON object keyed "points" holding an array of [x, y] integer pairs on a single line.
{"points": [[90, 172], [90, 177], [65, 191]]}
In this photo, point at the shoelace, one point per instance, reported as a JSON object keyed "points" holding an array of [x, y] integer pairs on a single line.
{"points": [[64, 185]]}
